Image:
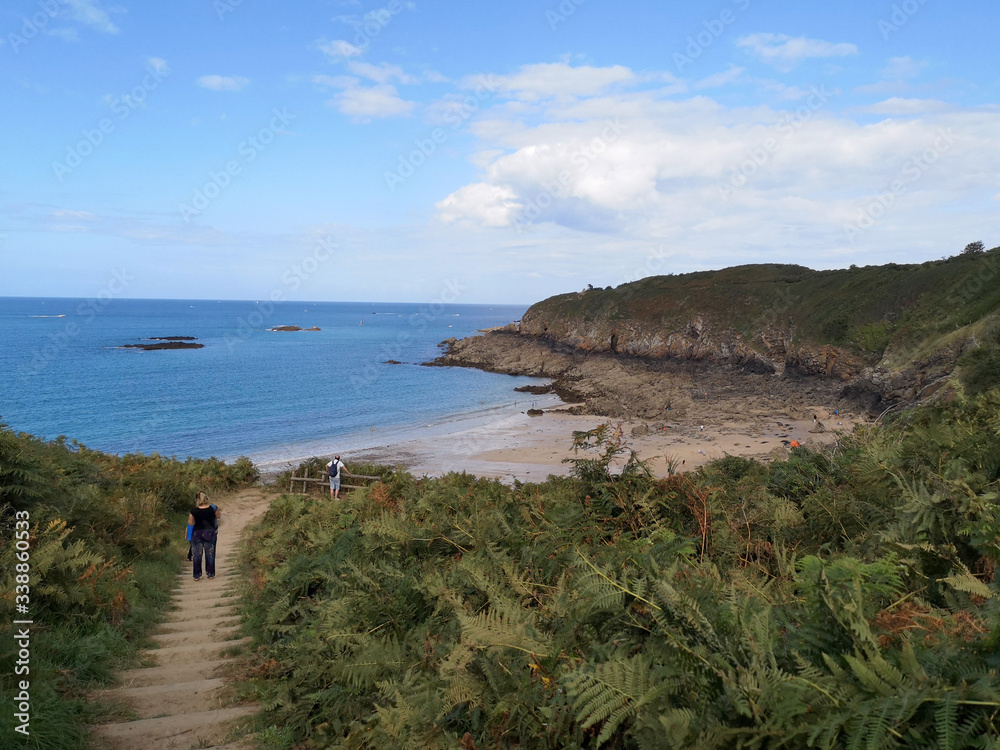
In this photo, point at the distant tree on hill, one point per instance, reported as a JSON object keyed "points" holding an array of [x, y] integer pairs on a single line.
{"points": [[974, 247]]}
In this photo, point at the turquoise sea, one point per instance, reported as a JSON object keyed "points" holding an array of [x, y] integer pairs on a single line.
{"points": [[249, 391]]}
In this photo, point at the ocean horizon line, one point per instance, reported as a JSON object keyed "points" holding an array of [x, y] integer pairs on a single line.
{"points": [[265, 299]]}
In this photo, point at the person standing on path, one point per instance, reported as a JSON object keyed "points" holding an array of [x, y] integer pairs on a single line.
{"points": [[190, 528], [203, 519], [334, 470]]}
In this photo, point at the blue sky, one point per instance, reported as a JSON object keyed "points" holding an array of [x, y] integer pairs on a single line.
{"points": [[400, 151]]}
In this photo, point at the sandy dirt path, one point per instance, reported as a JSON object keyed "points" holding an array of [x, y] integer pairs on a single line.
{"points": [[182, 701]]}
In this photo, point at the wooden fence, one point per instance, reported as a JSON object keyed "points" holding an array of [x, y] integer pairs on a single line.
{"points": [[325, 481]]}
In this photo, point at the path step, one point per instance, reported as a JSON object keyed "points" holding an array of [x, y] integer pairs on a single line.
{"points": [[196, 624], [192, 652], [207, 602], [153, 701], [216, 633], [177, 615], [199, 729], [170, 673]]}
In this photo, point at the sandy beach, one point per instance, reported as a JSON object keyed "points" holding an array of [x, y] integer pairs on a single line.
{"points": [[529, 448]]}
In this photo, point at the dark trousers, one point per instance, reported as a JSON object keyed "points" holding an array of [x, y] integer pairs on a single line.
{"points": [[203, 544]]}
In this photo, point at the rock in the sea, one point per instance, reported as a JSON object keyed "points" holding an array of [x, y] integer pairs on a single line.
{"points": [[285, 328], [393, 362], [164, 345], [314, 328], [536, 390]]}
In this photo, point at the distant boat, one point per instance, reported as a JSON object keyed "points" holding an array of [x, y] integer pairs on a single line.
{"points": [[362, 322]]}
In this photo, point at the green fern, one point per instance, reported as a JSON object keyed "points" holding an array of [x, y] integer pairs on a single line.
{"points": [[611, 693]]}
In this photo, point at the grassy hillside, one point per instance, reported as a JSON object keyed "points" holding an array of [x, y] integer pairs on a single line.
{"points": [[895, 313], [840, 598], [105, 540]]}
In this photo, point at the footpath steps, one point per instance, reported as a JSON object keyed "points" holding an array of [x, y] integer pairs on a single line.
{"points": [[182, 702]]}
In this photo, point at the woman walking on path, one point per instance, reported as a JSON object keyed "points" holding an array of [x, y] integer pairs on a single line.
{"points": [[202, 519]]}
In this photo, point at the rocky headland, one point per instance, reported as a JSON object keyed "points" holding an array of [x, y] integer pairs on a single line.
{"points": [[755, 340]]}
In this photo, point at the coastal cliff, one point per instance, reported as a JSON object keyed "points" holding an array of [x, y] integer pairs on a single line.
{"points": [[873, 337]]}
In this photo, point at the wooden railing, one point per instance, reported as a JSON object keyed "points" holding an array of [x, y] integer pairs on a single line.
{"points": [[324, 481]]}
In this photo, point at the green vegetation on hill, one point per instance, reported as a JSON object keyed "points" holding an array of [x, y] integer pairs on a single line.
{"points": [[105, 535], [901, 312], [845, 597]]}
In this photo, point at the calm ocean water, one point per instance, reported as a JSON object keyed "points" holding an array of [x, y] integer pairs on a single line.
{"points": [[249, 391]]}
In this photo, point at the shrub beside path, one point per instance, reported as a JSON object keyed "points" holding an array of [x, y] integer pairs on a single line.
{"points": [[182, 702]]}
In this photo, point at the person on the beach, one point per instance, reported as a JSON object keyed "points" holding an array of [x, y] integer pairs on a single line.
{"points": [[203, 519], [334, 469]]}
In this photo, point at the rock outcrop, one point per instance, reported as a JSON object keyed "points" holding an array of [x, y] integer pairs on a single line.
{"points": [[166, 342]]}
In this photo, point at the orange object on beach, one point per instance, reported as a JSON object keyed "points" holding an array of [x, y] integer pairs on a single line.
{"points": [[794, 444]]}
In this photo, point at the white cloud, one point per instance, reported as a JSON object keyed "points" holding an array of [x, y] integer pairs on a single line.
{"points": [[784, 52], [896, 77], [724, 78], [901, 68], [89, 13], [340, 49], [534, 82], [223, 83], [742, 180], [900, 106], [158, 64], [380, 73], [335, 82], [489, 205], [364, 104]]}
